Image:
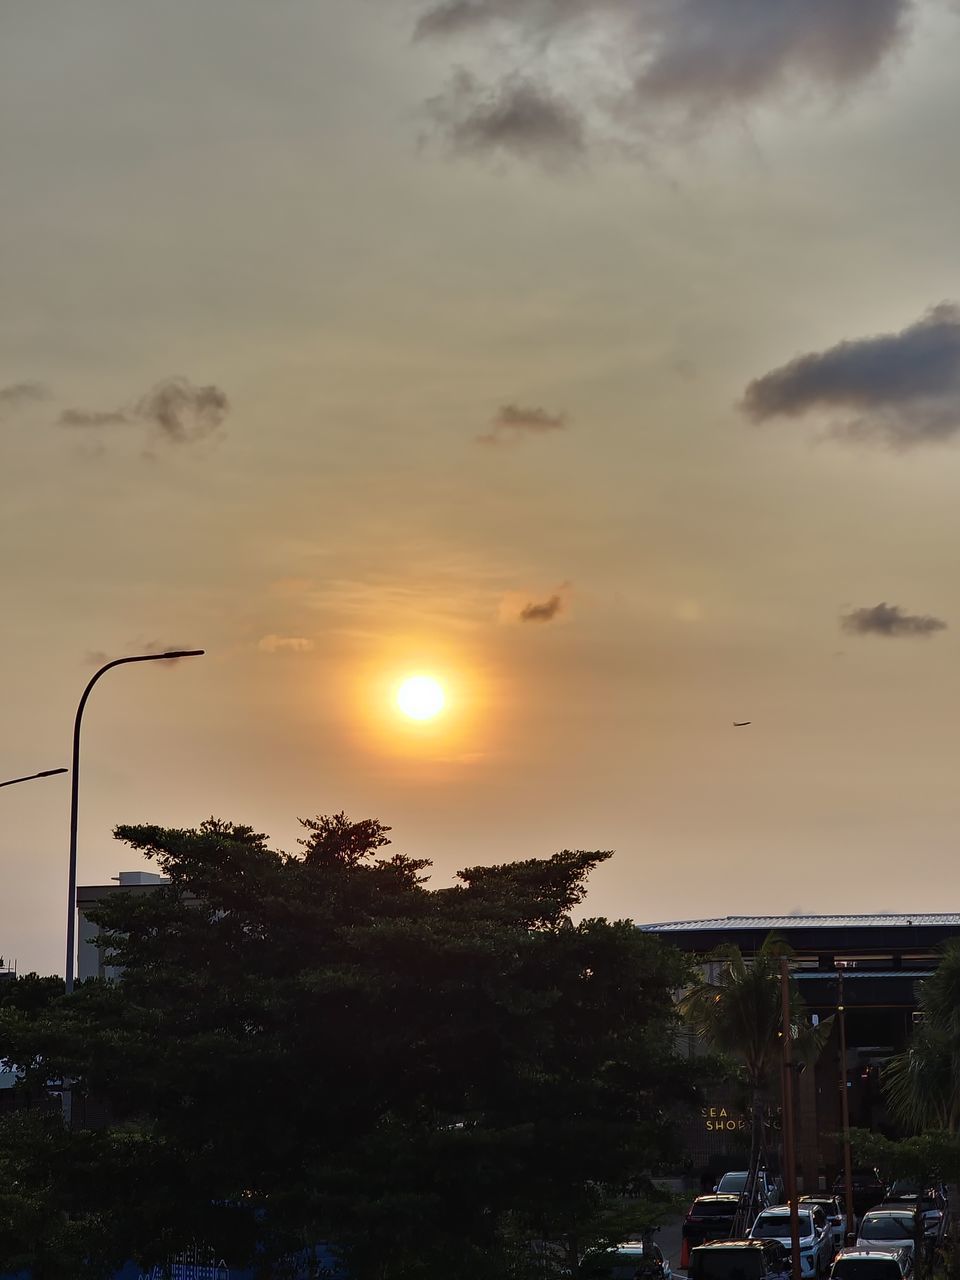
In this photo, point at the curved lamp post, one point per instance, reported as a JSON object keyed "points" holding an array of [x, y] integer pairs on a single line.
{"points": [[75, 790], [45, 773]]}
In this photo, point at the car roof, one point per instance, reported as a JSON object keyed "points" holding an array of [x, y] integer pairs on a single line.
{"points": [[861, 1251], [774, 1208], [724, 1197], [733, 1244], [886, 1211], [818, 1197]]}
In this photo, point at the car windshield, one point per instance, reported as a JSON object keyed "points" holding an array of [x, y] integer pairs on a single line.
{"points": [[726, 1264], [732, 1182], [713, 1209], [776, 1226], [889, 1226], [866, 1269]]}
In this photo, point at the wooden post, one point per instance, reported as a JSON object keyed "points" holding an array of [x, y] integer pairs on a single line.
{"points": [[851, 1233]]}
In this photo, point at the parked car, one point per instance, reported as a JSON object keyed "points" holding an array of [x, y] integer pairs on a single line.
{"points": [[816, 1238], [869, 1190], [636, 1258], [891, 1229], [857, 1263], [739, 1260], [766, 1192], [834, 1214], [930, 1201], [708, 1218]]}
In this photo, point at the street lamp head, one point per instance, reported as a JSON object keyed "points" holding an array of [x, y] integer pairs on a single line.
{"points": [[48, 773], [183, 653]]}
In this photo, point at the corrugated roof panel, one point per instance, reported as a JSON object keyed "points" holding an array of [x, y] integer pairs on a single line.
{"points": [[949, 919]]}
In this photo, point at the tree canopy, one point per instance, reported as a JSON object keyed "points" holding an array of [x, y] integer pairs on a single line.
{"points": [[318, 1046]]}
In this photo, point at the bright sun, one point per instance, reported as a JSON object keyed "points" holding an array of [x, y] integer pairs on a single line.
{"points": [[420, 697]]}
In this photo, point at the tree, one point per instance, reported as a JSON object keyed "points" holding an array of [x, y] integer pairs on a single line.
{"points": [[319, 1047], [922, 1084], [738, 1013]]}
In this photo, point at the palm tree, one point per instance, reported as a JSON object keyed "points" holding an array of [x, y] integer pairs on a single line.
{"points": [[922, 1084], [738, 1013]]}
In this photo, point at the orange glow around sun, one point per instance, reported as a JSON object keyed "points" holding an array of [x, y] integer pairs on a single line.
{"points": [[421, 701]]}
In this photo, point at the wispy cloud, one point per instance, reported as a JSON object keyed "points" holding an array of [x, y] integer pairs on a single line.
{"points": [[891, 621], [896, 389], [178, 410], [17, 395], [93, 418], [285, 644], [543, 611], [515, 117], [686, 60], [514, 420]]}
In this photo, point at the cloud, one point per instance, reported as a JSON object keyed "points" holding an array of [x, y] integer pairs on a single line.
{"points": [[182, 411], [514, 117], [514, 420], [285, 644], [19, 394], [890, 620], [545, 611], [93, 418], [632, 65], [177, 409], [896, 389]]}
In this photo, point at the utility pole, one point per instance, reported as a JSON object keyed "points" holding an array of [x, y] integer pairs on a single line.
{"points": [[789, 1134], [851, 1233]]}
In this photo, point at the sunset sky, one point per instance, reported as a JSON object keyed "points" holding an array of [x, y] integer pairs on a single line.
{"points": [[597, 358]]}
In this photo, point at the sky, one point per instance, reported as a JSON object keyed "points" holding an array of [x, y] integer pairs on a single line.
{"points": [[599, 359]]}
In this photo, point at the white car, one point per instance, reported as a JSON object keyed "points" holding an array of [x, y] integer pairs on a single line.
{"points": [[871, 1264], [835, 1215], [816, 1237], [888, 1229]]}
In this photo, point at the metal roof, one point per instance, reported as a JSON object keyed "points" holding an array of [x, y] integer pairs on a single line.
{"points": [[948, 919], [851, 975]]}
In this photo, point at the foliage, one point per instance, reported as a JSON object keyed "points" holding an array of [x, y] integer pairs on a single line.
{"points": [[318, 1046], [926, 1158], [922, 1084]]}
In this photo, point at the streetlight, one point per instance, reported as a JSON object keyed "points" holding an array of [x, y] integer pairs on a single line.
{"points": [[45, 773], [75, 789]]}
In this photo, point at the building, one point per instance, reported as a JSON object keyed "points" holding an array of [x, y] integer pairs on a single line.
{"points": [[878, 962], [89, 958]]}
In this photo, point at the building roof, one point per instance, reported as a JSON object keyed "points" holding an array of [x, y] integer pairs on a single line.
{"points": [[766, 923]]}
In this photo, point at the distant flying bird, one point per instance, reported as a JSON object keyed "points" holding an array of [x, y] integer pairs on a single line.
{"points": [[741, 724]]}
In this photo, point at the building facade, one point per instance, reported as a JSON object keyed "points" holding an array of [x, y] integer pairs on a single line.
{"points": [[874, 965]]}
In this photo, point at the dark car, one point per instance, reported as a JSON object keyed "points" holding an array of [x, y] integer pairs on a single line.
{"points": [[708, 1218], [928, 1201], [739, 1260], [869, 1190]]}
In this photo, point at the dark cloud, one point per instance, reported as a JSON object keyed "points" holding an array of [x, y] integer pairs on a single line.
{"points": [[93, 418], [685, 58], [890, 620], [517, 417], [898, 389], [19, 394], [514, 117], [545, 611], [514, 420], [180, 411]]}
